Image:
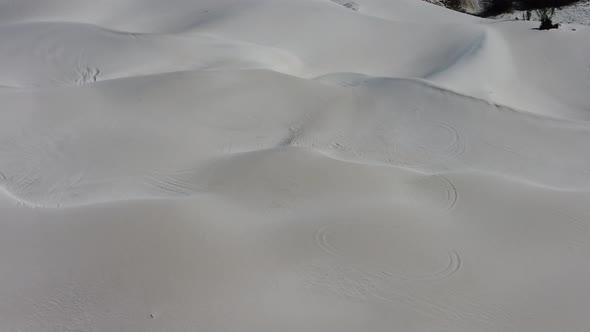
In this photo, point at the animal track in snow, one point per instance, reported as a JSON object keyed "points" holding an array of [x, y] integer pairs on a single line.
{"points": [[87, 75], [348, 4]]}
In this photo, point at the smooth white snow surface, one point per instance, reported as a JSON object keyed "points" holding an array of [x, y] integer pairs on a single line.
{"points": [[291, 165]]}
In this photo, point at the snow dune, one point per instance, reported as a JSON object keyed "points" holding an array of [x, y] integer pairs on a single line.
{"points": [[290, 165]]}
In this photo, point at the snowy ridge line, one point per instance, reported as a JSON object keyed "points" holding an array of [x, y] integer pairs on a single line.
{"points": [[571, 123], [165, 183]]}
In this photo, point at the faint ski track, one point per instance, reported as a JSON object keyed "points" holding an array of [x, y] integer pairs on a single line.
{"points": [[453, 265]]}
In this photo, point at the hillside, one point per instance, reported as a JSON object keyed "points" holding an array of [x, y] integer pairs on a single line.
{"points": [[281, 165]]}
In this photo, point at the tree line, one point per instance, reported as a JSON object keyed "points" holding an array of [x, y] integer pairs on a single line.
{"points": [[544, 9]]}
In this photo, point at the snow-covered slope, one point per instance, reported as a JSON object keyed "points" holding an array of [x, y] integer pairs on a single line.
{"points": [[290, 165]]}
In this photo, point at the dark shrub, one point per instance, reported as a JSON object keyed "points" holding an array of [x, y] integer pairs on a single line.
{"points": [[495, 7], [453, 4], [540, 4], [545, 14]]}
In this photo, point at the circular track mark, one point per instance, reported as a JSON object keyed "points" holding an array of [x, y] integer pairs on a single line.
{"points": [[387, 253]]}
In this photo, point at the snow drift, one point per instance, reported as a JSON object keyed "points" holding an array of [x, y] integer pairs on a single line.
{"points": [[309, 165]]}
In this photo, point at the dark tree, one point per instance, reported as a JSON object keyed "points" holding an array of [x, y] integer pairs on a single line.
{"points": [[495, 7], [541, 4], [543, 8], [546, 14], [452, 4]]}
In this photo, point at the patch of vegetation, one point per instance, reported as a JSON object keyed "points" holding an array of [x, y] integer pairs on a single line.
{"points": [[453, 4], [546, 15], [544, 9], [496, 7]]}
